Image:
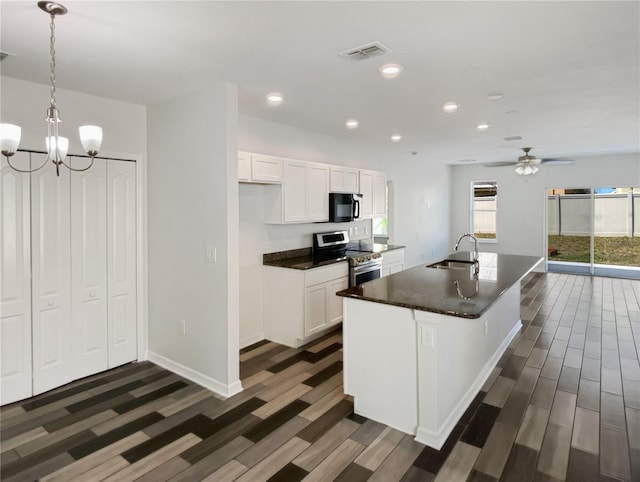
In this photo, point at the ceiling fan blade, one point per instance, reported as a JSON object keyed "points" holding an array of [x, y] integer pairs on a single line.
{"points": [[557, 161], [499, 164]]}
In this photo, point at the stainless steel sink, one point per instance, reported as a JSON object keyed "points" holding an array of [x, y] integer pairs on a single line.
{"points": [[451, 264]]}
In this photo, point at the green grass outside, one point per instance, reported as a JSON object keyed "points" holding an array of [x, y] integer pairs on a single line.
{"points": [[622, 251]]}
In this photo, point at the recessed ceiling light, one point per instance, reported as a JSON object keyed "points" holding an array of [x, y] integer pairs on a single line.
{"points": [[495, 96], [274, 98], [483, 126], [390, 71], [396, 137], [351, 124], [450, 107]]}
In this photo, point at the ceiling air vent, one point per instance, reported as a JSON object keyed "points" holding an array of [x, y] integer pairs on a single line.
{"points": [[368, 51], [513, 138]]}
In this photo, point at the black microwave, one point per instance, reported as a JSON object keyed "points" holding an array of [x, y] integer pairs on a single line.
{"points": [[344, 207]]}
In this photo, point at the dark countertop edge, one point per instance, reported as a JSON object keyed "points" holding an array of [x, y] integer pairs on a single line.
{"points": [[302, 259], [348, 293], [303, 263], [354, 296]]}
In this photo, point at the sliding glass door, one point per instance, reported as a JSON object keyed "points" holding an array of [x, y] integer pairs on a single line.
{"points": [[594, 231]]}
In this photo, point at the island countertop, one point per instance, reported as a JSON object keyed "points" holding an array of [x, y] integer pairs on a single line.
{"points": [[454, 292]]}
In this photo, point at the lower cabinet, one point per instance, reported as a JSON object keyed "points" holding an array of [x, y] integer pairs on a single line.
{"points": [[392, 261], [300, 305]]}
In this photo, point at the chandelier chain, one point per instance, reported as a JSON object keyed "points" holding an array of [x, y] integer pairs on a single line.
{"points": [[52, 51]]}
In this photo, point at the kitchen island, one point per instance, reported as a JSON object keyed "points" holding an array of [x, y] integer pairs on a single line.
{"points": [[419, 344]]}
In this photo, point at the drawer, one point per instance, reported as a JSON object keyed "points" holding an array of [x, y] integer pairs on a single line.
{"points": [[326, 273]]}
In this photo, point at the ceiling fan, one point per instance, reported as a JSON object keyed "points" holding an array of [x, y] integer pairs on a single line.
{"points": [[528, 164]]}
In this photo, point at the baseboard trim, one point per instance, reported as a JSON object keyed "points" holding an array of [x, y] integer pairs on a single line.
{"points": [[250, 340], [209, 383], [436, 439]]}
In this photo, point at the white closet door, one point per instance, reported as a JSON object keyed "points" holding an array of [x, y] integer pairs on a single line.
{"points": [[89, 269], [15, 288], [53, 337], [121, 254]]}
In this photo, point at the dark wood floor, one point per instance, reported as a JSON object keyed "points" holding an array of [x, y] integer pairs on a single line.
{"points": [[563, 403]]}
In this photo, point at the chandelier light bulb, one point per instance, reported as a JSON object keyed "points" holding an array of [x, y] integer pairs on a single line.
{"points": [[91, 139], [9, 139], [57, 151]]}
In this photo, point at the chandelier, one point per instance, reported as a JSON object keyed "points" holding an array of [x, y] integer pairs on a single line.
{"points": [[57, 146]]}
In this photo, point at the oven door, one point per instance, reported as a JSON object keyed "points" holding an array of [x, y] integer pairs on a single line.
{"points": [[362, 274]]}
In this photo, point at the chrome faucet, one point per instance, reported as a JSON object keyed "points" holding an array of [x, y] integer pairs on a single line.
{"points": [[476, 262]]}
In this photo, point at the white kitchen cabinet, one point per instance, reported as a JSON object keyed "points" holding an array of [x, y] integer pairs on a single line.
{"points": [[303, 196], [15, 289], [259, 168], [300, 305], [68, 267], [392, 261], [344, 179], [373, 187]]}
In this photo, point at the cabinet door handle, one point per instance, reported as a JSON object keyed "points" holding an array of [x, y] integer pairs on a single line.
{"points": [[92, 295], [50, 303]]}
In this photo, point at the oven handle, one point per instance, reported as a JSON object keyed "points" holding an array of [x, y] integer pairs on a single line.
{"points": [[368, 267]]}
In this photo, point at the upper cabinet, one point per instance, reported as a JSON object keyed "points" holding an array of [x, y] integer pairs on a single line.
{"points": [[344, 179], [303, 196], [259, 168], [373, 187]]}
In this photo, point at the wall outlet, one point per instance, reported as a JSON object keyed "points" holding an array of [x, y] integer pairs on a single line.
{"points": [[366, 230], [212, 255], [427, 335], [355, 230], [486, 327], [183, 326]]}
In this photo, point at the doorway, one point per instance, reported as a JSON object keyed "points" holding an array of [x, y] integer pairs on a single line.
{"points": [[594, 231]]}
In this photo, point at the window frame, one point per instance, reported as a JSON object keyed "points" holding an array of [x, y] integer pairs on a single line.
{"points": [[473, 210]]}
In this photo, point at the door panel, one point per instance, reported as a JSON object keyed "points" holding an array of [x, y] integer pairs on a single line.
{"points": [[89, 268], [51, 271], [15, 288], [121, 253]]}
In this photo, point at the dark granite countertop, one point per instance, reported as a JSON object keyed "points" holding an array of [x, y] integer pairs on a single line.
{"points": [[303, 258], [454, 292]]}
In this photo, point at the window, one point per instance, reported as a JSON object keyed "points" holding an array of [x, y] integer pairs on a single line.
{"points": [[484, 209]]}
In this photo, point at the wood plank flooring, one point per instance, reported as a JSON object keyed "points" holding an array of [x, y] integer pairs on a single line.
{"points": [[562, 404]]}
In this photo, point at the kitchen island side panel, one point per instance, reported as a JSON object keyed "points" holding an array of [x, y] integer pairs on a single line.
{"points": [[456, 358], [380, 366]]}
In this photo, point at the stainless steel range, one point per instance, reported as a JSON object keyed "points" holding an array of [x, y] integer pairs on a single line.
{"points": [[363, 265]]}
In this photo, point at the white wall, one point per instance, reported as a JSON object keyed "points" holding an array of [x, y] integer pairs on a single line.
{"points": [[522, 199], [418, 206], [123, 124], [193, 203]]}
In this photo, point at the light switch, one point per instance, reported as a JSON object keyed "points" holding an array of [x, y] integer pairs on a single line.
{"points": [[211, 254]]}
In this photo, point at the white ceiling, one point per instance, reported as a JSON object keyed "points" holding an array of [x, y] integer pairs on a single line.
{"points": [[569, 71]]}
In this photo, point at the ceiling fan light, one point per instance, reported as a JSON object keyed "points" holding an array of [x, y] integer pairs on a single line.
{"points": [[534, 169], [520, 170], [528, 171]]}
